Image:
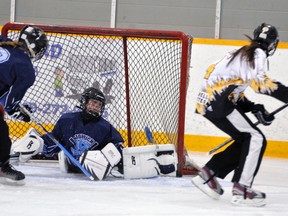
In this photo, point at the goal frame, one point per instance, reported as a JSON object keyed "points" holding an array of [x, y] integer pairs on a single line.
{"points": [[186, 41]]}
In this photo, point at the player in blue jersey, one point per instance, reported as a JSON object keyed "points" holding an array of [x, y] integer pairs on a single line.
{"points": [[79, 132], [16, 76], [84, 130]]}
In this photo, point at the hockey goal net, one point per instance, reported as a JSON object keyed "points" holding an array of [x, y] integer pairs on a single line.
{"points": [[142, 73]]}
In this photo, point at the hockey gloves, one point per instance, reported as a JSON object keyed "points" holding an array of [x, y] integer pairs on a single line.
{"points": [[262, 115], [17, 113]]}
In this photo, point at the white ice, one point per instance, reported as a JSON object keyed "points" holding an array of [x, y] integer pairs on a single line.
{"points": [[49, 192]]}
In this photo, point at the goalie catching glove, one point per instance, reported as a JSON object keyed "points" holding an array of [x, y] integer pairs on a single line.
{"points": [[28, 146], [262, 115]]}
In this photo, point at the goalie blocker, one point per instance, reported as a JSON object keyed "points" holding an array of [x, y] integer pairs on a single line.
{"points": [[26, 147]]}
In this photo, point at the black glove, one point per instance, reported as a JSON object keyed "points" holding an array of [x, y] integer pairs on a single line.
{"points": [[17, 113], [262, 115]]}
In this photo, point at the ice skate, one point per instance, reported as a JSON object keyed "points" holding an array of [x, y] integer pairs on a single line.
{"points": [[9, 175], [245, 196], [207, 183]]}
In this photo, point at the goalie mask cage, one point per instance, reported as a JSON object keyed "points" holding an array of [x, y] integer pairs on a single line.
{"points": [[142, 73]]}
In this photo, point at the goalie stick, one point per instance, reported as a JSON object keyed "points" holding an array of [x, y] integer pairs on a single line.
{"points": [[68, 154], [256, 123], [151, 140]]}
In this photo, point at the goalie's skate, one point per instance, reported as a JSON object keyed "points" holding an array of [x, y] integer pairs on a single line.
{"points": [[208, 184], [245, 196], [9, 175]]}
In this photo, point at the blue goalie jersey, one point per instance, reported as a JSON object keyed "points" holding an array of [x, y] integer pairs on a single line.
{"points": [[78, 137]]}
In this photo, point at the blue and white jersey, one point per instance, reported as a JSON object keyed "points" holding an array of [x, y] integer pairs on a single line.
{"points": [[16, 75], [78, 137]]}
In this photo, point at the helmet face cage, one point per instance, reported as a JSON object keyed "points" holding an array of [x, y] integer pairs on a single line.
{"points": [[92, 93], [267, 36], [34, 40]]}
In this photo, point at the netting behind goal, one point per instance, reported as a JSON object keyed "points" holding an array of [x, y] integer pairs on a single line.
{"points": [[142, 74]]}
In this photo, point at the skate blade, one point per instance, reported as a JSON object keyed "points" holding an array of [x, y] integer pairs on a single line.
{"points": [[199, 183], [240, 201], [7, 181]]}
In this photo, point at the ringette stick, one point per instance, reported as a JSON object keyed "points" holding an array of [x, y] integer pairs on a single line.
{"points": [[256, 123], [149, 135], [66, 152]]}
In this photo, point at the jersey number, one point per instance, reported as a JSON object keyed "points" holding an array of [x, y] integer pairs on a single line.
{"points": [[209, 70], [4, 55]]}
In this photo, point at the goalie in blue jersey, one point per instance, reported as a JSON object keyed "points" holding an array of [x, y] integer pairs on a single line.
{"points": [[17, 75], [84, 131], [85, 134]]}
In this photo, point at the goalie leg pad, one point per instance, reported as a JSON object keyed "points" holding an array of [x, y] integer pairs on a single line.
{"points": [[166, 164], [63, 163], [66, 165], [167, 158], [167, 149], [112, 154], [139, 162], [149, 161], [28, 146], [96, 163]]}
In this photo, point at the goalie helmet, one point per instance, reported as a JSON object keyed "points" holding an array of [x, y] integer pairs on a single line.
{"points": [[267, 36], [34, 41], [92, 93]]}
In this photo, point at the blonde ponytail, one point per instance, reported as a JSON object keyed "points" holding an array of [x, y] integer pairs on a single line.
{"points": [[14, 44]]}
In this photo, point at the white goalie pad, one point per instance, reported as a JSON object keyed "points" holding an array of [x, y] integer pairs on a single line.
{"points": [[100, 163], [167, 157], [95, 163], [28, 146], [112, 154], [149, 161], [63, 164]]}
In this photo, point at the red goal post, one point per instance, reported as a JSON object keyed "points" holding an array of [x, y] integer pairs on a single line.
{"points": [[143, 74]]}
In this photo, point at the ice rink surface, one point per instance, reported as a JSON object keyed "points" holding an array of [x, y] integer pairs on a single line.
{"points": [[48, 191]]}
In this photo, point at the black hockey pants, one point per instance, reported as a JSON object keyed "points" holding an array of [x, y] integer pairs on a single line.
{"points": [[5, 141], [245, 154]]}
